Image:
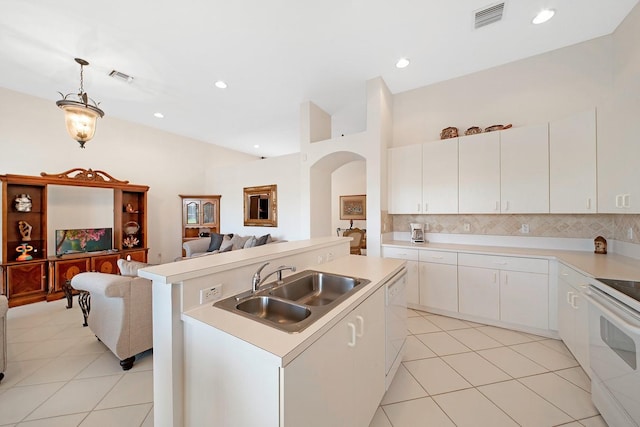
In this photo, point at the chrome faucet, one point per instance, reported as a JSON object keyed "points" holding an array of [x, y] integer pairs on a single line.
{"points": [[257, 281]]}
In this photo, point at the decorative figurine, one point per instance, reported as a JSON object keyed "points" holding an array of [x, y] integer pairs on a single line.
{"points": [[450, 132], [25, 230], [22, 203], [24, 250], [600, 244], [129, 208], [130, 241]]}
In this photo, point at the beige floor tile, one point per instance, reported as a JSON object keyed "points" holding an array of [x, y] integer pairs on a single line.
{"points": [[148, 421], [447, 323], [403, 387], [47, 349], [18, 402], [379, 419], [563, 394], [62, 421], [442, 344], [556, 345], [474, 339], [577, 376], [571, 424], [75, 396], [523, 405], [415, 349], [512, 362], [127, 416], [471, 408], [475, 369], [545, 356], [87, 345], [505, 336], [473, 324], [132, 389], [37, 334], [59, 369], [17, 371], [596, 421], [106, 364], [407, 414], [413, 313], [435, 376], [420, 325]]}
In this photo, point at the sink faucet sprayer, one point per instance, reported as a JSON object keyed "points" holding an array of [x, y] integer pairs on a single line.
{"points": [[257, 281]]}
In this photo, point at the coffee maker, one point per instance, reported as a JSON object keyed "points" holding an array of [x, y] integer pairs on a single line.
{"points": [[417, 233]]}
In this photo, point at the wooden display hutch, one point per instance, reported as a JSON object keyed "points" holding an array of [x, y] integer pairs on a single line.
{"points": [[43, 276], [200, 214]]}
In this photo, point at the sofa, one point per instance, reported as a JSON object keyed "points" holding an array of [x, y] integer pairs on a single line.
{"points": [[4, 307], [218, 243], [121, 310]]}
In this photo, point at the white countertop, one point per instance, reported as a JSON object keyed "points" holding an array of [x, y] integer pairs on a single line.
{"points": [[286, 346], [611, 266]]}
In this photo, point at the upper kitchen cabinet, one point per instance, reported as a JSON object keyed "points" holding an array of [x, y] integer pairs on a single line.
{"points": [[440, 177], [572, 164], [524, 169], [405, 179], [479, 173]]}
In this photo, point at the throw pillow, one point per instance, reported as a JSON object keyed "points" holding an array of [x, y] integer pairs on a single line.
{"points": [[216, 241], [228, 248], [130, 268], [263, 240], [226, 243], [251, 242], [239, 241]]}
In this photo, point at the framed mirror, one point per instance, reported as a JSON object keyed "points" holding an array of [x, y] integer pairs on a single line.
{"points": [[260, 206]]}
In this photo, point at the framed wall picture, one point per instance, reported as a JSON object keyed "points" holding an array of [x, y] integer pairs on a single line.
{"points": [[353, 207]]}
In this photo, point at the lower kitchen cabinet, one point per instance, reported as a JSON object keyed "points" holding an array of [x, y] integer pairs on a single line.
{"points": [[479, 290], [339, 379], [413, 275], [439, 280], [573, 314], [524, 298]]}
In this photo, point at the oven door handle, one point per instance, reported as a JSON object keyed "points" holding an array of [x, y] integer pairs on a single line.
{"points": [[589, 295]]}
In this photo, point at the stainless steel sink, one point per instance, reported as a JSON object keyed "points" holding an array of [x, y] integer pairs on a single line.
{"points": [[274, 310], [295, 302], [316, 288]]}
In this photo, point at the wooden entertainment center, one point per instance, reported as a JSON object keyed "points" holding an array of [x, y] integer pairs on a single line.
{"points": [[38, 275]]}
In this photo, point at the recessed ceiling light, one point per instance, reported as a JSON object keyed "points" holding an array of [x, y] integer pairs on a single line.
{"points": [[543, 16], [256, 146], [402, 63], [221, 85], [158, 115]]}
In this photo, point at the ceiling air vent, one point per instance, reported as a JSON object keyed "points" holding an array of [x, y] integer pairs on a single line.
{"points": [[488, 15], [121, 76]]}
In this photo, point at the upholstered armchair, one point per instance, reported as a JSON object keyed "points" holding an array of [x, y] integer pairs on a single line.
{"points": [[4, 307], [120, 314], [357, 236]]}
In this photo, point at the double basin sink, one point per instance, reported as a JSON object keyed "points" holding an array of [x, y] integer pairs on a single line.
{"points": [[297, 301]]}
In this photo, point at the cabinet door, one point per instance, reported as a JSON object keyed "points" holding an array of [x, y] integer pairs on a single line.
{"points": [[65, 270], [27, 279], [524, 169], [413, 283], [581, 331], [105, 264], [405, 179], [479, 173], [439, 286], [479, 292], [440, 176], [339, 379], [524, 299], [209, 213], [565, 314], [572, 164]]}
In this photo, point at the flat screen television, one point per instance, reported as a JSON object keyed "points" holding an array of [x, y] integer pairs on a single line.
{"points": [[81, 240]]}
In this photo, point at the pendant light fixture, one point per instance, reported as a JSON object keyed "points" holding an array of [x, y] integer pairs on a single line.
{"points": [[80, 116]]}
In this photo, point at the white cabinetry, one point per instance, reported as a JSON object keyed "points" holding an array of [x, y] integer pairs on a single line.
{"points": [[440, 177], [413, 279], [572, 164], [573, 314], [510, 289], [405, 179], [479, 173], [524, 169], [439, 280], [339, 379]]}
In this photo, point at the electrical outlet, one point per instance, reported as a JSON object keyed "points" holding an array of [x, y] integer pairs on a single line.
{"points": [[211, 294], [524, 229], [630, 233], [467, 227], [320, 259]]}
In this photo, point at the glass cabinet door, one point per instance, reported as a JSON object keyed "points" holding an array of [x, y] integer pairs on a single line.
{"points": [[192, 213], [208, 213]]}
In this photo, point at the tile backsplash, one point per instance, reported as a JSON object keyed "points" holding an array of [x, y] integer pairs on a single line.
{"points": [[609, 226]]}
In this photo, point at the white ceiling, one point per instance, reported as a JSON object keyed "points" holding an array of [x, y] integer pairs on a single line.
{"points": [[274, 54]]}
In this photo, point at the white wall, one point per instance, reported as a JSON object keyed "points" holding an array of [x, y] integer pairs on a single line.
{"points": [[350, 179], [229, 182], [33, 139]]}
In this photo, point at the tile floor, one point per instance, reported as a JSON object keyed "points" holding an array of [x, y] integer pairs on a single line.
{"points": [[455, 373]]}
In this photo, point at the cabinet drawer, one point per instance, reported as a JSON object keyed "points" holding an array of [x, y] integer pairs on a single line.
{"points": [[529, 265], [438, 257], [571, 276], [400, 253]]}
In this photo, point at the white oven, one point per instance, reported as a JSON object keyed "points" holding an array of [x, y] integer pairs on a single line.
{"points": [[395, 323], [614, 351]]}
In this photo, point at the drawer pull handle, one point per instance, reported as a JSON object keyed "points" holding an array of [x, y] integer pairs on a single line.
{"points": [[352, 330]]}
